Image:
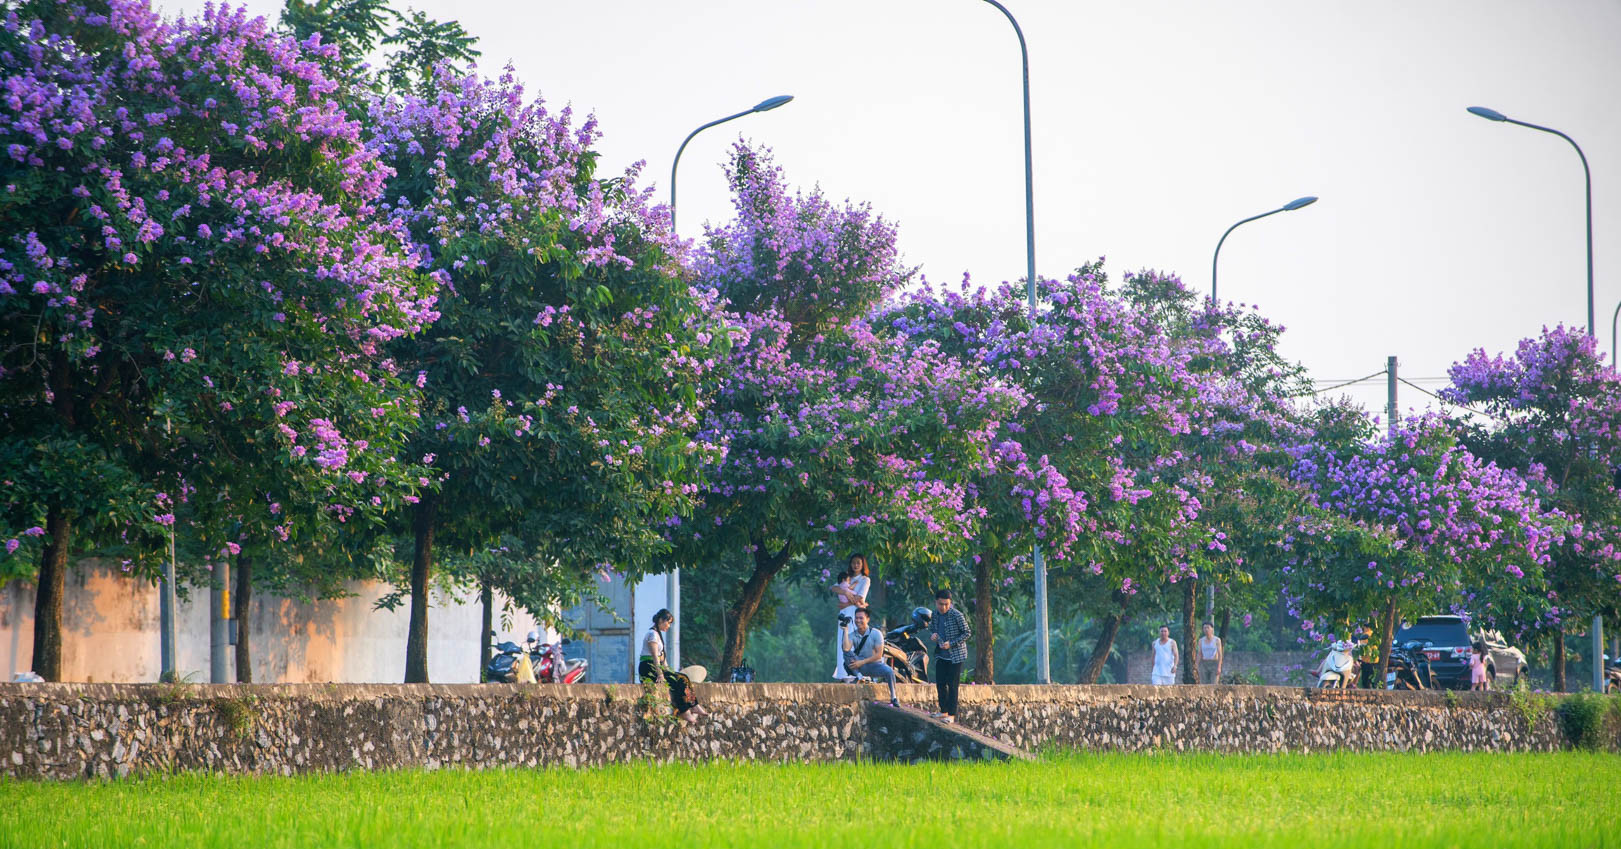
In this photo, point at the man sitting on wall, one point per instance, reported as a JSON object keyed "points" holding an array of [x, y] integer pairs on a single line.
{"points": [[864, 653]]}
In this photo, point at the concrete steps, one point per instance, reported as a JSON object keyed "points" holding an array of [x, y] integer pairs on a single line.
{"points": [[909, 735]]}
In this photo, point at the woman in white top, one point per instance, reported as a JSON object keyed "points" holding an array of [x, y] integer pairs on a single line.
{"points": [[1210, 656], [1166, 657], [651, 669], [852, 594]]}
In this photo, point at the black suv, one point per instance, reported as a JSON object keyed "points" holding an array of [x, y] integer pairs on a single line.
{"points": [[1449, 638]]}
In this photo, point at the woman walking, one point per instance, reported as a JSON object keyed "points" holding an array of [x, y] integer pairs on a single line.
{"points": [[652, 669], [852, 595], [1211, 654]]}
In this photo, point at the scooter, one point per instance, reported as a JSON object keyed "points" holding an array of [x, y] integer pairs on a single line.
{"points": [[1338, 670], [1612, 675], [905, 653], [551, 666], [1409, 667], [535, 662]]}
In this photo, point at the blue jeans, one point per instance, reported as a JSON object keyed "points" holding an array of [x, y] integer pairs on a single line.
{"points": [[876, 669]]}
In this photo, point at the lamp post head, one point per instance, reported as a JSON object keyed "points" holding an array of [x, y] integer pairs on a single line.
{"points": [[1488, 114], [771, 103], [1297, 203]]}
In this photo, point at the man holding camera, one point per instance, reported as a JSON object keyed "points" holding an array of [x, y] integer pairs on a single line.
{"points": [[864, 653], [951, 634]]}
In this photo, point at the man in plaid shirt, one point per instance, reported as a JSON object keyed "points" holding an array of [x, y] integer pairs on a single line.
{"points": [[951, 634]]}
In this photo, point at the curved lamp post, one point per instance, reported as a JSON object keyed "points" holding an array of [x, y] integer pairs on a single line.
{"points": [[1587, 175], [672, 585], [1291, 206], [1043, 655], [763, 106]]}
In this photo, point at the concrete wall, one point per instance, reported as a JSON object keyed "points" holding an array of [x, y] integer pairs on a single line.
{"points": [[110, 633], [65, 731]]}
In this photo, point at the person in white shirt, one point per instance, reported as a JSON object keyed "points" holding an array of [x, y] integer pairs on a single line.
{"points": [[1166, 657], [864, 652], [852, 594], [1210, 656], [651, 668]]}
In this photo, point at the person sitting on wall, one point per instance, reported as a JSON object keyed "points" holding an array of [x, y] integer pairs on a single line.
{"points": [[652, 669], [864, 652]]}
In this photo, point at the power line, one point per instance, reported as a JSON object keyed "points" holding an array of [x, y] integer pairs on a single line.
{"points": [[1379, 373], [1445, 401]]}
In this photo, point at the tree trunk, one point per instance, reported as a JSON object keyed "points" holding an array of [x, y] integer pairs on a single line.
{"points": [[1387, 636], [487, 622], [1226, 619], [53, 570], [1190, 630], [1100, 652], [738, 616], [984, 640], [1558, 658], [416, 642], [240, 611]]}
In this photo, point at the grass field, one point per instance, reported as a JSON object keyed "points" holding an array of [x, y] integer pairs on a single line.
{"points": [[1367, 801]]}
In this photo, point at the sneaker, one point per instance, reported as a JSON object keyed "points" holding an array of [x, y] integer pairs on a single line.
{"points": [[934, 714], [947, 720], [894, 704]]}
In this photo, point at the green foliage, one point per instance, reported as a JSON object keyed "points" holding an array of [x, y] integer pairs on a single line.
{"points": [[1531, 706], [238, 714], [1589, 720]]}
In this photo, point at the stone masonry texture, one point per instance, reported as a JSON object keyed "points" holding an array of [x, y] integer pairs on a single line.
{"points": [[71, 731]]}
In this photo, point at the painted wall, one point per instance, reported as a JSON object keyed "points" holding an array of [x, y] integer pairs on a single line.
{"points": [[111, 633]]}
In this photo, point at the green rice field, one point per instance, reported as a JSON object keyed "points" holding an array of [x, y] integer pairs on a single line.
{"points": [[1367, 801]]}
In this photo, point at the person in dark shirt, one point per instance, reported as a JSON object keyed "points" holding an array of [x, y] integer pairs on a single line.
{"points": [[950, 634]]}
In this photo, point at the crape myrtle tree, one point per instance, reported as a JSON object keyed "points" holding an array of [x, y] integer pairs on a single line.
{"points": [[1412, 522], [565, 376], [1092, 469], [840, 436], [1234, 451], [194, 291], [1556, 411]]}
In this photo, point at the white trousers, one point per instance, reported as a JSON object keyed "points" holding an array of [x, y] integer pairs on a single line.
{"points": [[1164, 678]]}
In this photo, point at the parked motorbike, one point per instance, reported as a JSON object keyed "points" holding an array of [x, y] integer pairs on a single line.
{"points": [[1409, 667], [551, 666], [1338, 670], [1612, 675], [534, 662], [905, 652]]}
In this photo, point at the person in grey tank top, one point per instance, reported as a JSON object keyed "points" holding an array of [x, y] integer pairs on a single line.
{"points": [[1211, 655]]}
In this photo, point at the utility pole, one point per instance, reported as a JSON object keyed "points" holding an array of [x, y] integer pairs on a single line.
{"points": [[219, 622], [1391, 410], [166, 608]]}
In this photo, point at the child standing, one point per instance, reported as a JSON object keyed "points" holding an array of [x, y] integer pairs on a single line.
{"points": [[1477, 667]]}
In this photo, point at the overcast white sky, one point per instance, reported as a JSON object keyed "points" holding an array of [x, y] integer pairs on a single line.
{"points": [[1157, 125]]}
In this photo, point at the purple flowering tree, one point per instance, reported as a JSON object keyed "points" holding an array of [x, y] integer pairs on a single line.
{"points": [[840, 437], [1092, 468], [567, 373], [1556, 417], [193, 289], [1411, 522]]}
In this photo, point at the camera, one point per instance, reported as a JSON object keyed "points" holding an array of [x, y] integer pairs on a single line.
{"points": [[844, 620]]}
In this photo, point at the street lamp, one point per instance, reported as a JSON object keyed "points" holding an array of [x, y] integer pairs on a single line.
{"points": [[1587, 175], [1291, 206], [1043, 663], [766, 105], [672, 581]]}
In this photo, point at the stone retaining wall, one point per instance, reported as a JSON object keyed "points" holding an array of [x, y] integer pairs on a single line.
{"points": [[65, 731]]}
